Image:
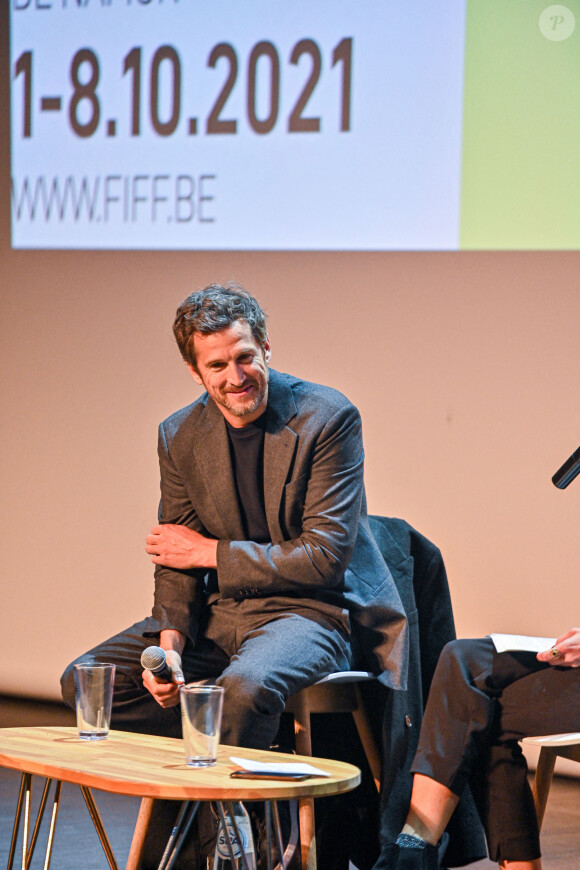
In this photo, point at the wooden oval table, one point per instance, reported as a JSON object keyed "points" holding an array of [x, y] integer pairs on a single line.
{"points": [[150, 768]]}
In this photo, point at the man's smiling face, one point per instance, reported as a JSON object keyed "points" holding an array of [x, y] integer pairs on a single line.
{"points": [[233, 368]]}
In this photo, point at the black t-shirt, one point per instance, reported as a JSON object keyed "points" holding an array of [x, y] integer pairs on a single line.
{"points": [[247, 451]]}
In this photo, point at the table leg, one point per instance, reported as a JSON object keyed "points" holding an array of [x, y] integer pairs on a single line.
{"points": [[24, 783], [53, 815], [99, 827], [24, 798], [138, 841], [27, 800], [179, 833], [268, 815], [285, 855], [39, 816]]}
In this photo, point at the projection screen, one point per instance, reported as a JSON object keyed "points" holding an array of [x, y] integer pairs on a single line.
{"points": [[354, 125]]}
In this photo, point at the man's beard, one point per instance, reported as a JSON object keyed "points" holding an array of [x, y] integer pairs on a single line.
{"points": [[248, 406]]}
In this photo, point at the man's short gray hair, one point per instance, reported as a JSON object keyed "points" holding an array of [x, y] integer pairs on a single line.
{"points": [[212, 309]]}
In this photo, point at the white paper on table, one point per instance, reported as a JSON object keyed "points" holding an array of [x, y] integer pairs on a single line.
{"points": [[523, 642], [278, 769]]}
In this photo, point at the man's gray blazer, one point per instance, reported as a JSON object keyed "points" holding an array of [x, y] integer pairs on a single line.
{"points": [[321, 549]]}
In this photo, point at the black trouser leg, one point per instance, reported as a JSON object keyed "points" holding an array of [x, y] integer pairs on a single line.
{"points": [[481, 704]]}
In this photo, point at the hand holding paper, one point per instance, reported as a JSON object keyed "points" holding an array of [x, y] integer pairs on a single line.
{"points": [[568, 648]]}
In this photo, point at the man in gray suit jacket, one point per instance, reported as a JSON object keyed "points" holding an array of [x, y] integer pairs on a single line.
{"points": [[267, 577]]}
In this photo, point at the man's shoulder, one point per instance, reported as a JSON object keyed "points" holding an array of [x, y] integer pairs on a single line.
{"points": [[309, 394], [186, 416]]}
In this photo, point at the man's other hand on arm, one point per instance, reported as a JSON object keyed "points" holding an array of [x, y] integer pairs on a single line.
{"points": [[167, 694], [180, 548]]}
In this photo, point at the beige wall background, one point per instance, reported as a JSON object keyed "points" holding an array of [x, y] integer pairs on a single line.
{"points": [[465, 367]]}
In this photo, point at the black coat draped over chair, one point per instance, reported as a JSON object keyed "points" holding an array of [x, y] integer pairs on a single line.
{"points": [[349, 827]]}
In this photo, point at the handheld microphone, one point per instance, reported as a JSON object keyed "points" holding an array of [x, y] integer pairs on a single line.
{"points": [[567, 472], [154, 659]]}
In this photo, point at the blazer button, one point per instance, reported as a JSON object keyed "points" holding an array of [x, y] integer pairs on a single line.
{"points": [[408, 722]]}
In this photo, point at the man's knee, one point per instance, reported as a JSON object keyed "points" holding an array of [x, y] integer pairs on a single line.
{"points": [[243, 692], [128, 682], [251, 713], [67, 686], [67, 680], [124, 651], [463, 653]]}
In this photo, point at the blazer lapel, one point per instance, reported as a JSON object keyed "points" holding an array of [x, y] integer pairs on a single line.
{"points": [[212, 452], [279, 447]]}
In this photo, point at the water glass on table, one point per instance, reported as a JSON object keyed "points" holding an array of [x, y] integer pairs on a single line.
{"points": [[94, 699], [201, 716]]}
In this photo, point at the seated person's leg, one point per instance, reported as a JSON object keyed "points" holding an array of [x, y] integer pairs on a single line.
{"points": [[542, 702], [480, 704], [274, 661], [458, 715], [459, 712]]}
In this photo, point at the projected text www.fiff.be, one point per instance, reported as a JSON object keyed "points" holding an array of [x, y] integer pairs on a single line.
{"points": [[115, 198]]}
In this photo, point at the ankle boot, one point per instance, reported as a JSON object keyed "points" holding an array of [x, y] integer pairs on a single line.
{"points": [[426, 858], [387, 860]]}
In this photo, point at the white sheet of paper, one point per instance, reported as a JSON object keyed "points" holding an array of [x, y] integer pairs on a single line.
{"points": [[288, 768], [524, 642]]}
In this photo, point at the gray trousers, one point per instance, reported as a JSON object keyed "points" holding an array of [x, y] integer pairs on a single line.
{"points": [[481, 703], [259, 658]]}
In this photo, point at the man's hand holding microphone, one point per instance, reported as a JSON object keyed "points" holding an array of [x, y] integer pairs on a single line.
{"points": [[162, 673]]}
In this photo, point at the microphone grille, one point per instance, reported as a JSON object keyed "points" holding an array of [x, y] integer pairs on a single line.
{"points": [[152, 657]]}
